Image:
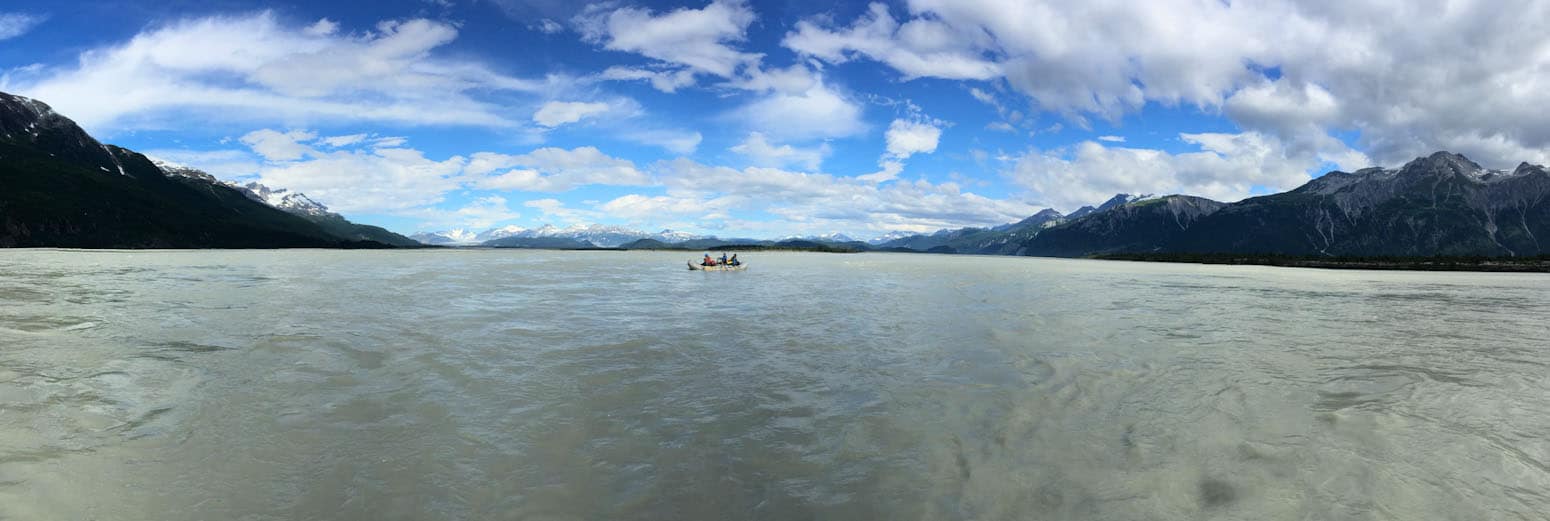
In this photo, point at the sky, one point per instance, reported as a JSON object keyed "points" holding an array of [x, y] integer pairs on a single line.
{"points": [[783, 117]]}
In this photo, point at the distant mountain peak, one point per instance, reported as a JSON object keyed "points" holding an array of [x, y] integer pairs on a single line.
{"points": [[827, 237], [1442, 161], [573, 235], [26, 120], [1120, 200]]}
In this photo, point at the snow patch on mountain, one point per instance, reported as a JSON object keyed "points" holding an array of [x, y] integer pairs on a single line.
{"points": [[279, 198]]}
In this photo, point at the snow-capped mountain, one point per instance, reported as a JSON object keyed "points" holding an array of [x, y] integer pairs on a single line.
{"points": [[499, 233], [670, 236], [294, 202], [280, 198], [600, 235], [828, 237], [456, 237], [890, 236]]}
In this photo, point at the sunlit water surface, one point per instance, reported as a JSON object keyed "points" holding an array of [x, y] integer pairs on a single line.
{"points": [[610, 385]]}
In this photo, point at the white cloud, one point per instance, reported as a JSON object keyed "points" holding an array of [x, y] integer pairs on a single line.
{"points": [[985, 97], [918, 48], [323, 27], [1227, 168], [888, 171], [554, 210], [666, 81], [762, 152], [343, 141], [256, 68], [640, 207], [230, 165], [383, 180], [278, 146], [548, 26], [481, 213], [682, 142], [818, 112], [361, 177], [1112, 139], [1408, 78], [556, 113], [389, 142], [695, 38], [907, 138], [16, 24], [552, 170], [809, 201]]}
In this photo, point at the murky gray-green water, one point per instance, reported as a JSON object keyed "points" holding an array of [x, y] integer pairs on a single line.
{"points": [[616, 386]]}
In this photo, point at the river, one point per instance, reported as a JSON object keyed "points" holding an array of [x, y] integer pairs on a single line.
{"points": [[532, 385]]}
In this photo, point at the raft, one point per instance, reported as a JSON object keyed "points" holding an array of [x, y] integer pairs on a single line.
{"points": [[696, 267]]}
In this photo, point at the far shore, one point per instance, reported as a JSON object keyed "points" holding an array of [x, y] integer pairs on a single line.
{"points": [[1539, 264]]}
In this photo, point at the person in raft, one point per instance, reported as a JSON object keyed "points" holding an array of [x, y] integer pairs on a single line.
{"points": [[734, 261], [708, 261], [723, 258]]}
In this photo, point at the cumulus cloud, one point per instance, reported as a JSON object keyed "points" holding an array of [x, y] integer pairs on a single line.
{"points": [[906, 138], [699, 39], [255, 67], [556, 113], [555, 210], [483, 212], [1227, 167], [552, 170], [811, 201], [280, 146], [16, 24], [817, 112], [922, 47], [363, 177], [382, 180], [762, 152], [1408, 78]]}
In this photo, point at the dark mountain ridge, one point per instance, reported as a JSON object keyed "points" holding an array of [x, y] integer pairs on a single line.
{"points": [[59, 187], [1440, 205]]}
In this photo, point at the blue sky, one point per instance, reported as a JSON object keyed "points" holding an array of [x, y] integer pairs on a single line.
{"points": [[769, 118]]}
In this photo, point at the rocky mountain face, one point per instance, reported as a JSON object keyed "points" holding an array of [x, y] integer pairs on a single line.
{"points": [[59, 187], [1440, 205], [1137, 224], [1000, 240], [1443, 204]]}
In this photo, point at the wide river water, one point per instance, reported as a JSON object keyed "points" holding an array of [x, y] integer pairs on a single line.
{"points": [[483, 384]]}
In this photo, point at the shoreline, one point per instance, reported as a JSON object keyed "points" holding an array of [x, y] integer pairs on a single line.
{"points": [[1540, 264], [1467, 264]]}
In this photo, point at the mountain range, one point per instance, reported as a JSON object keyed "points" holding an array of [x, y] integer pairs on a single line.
{"points": [[1440, 205], [582, 235], [59, 187]]}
